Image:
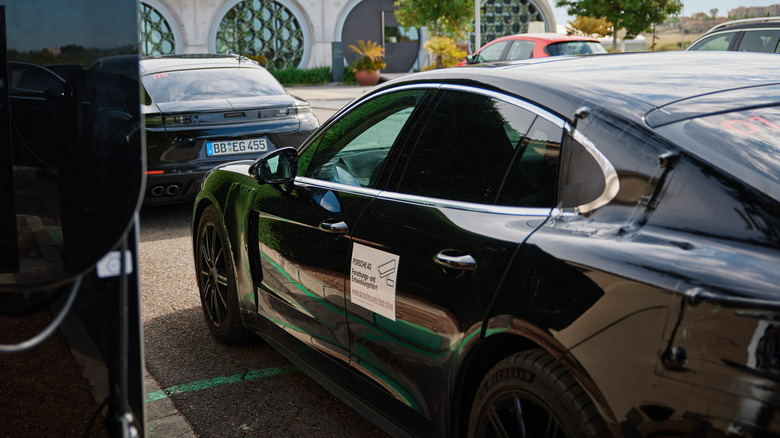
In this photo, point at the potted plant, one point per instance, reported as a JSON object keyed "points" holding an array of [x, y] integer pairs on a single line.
{"points": [[370, 62]]}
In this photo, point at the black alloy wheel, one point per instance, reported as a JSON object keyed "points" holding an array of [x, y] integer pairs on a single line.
{"points": [[216, 280], [531, 394]]}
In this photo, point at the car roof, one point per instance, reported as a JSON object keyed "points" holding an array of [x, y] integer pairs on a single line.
{"points": [[154, 64], [546, 36], [633, 84], [746, 24]]}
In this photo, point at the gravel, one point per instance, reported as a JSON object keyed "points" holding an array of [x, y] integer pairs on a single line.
{"points": [[166, 267]]}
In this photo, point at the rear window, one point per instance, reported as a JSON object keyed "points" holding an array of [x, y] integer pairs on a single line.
{"points": [[213, 83], [746, 144], [575, 48]]}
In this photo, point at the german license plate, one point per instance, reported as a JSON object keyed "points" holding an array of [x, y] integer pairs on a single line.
{"points": [[215, 148]]}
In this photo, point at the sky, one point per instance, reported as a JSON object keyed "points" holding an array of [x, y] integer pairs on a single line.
{"points": [[39, 24], [690, 7]]}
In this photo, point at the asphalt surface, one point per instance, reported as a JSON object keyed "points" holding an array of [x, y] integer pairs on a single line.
{"points": [[198, 387]]}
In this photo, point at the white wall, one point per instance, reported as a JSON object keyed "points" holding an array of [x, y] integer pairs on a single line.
{"points": [[195, 23]]}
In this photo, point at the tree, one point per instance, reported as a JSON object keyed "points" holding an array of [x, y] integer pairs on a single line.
{"points": [[445, 53], [442, 18], [635, 16], [714, 12], [589, 26]]}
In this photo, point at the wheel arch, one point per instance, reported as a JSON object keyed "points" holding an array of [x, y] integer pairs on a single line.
{"points": [[232, 198], [475, 364], [202, 202], [227, 191], [503, 336]]}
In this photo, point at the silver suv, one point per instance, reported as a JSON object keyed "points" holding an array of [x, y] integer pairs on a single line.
{"points": [[748, 35]]}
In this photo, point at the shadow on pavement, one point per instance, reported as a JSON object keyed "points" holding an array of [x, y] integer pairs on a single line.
{"points": [[240, 391]]}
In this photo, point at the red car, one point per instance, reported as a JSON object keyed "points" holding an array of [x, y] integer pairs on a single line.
{"points": [[533, 45]]}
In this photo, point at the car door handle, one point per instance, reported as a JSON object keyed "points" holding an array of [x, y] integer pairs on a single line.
{"points": [[457, 260], [334, 226]]}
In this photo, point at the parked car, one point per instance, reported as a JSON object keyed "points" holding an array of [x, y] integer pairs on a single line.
{"points": [[571, 246], [748, 35], [205, 110], [533, 45]]}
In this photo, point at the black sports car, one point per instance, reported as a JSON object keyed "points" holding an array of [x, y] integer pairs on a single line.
{"points": [[205, 110], [561, 247]]}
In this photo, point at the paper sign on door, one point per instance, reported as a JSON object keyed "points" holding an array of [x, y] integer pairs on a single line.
{"points": [[372, 279]]}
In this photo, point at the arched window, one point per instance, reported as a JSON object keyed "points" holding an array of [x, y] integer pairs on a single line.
{"points": [[157, 36], [507, 17], [262, 27]]}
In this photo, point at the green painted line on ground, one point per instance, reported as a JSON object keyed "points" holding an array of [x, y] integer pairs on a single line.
{"points": [[219, 381]]}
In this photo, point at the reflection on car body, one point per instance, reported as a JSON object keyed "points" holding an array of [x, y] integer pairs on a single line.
{"points": [[517, 248], [61, 117]]}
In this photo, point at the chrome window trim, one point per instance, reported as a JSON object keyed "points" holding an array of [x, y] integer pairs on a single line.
{"points": [[611, 180], [362, 99], [430, 202], [421, 85], [753, 29], [468, 206], [346, 188], [550, 117]]}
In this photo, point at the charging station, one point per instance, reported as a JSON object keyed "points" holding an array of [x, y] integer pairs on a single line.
{"points": [[71, 180]]}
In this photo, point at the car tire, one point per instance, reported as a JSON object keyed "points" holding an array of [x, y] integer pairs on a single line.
{"points": [[552, 403], [217, 280]]}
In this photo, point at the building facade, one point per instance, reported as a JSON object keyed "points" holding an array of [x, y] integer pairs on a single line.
{"points": [[302, 33], [755, 11]]}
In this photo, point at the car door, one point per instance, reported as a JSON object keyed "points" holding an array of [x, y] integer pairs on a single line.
{"points": [[429, 253], [302, 234]]}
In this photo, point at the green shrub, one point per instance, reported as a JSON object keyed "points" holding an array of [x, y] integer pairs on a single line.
{"points": [[311, 76], [349, 76]]}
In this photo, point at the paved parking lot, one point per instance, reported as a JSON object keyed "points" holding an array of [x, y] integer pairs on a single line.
{"points": [[211, 390], [198, 387]]}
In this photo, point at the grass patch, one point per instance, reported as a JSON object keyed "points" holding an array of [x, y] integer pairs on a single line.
{"points": [[672, 41], [311, 76]]}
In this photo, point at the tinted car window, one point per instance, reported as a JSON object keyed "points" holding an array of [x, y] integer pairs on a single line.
{"points": [[760, 41], [574, 48], [32, 80], [718, 42], [465, 148], [189, 85], [493, 52], [531, 179], [520, 49], [582, 179], [353, 150]]}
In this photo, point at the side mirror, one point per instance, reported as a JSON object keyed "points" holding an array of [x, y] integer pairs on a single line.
{"points": [[471, 59], [276, 167]]}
